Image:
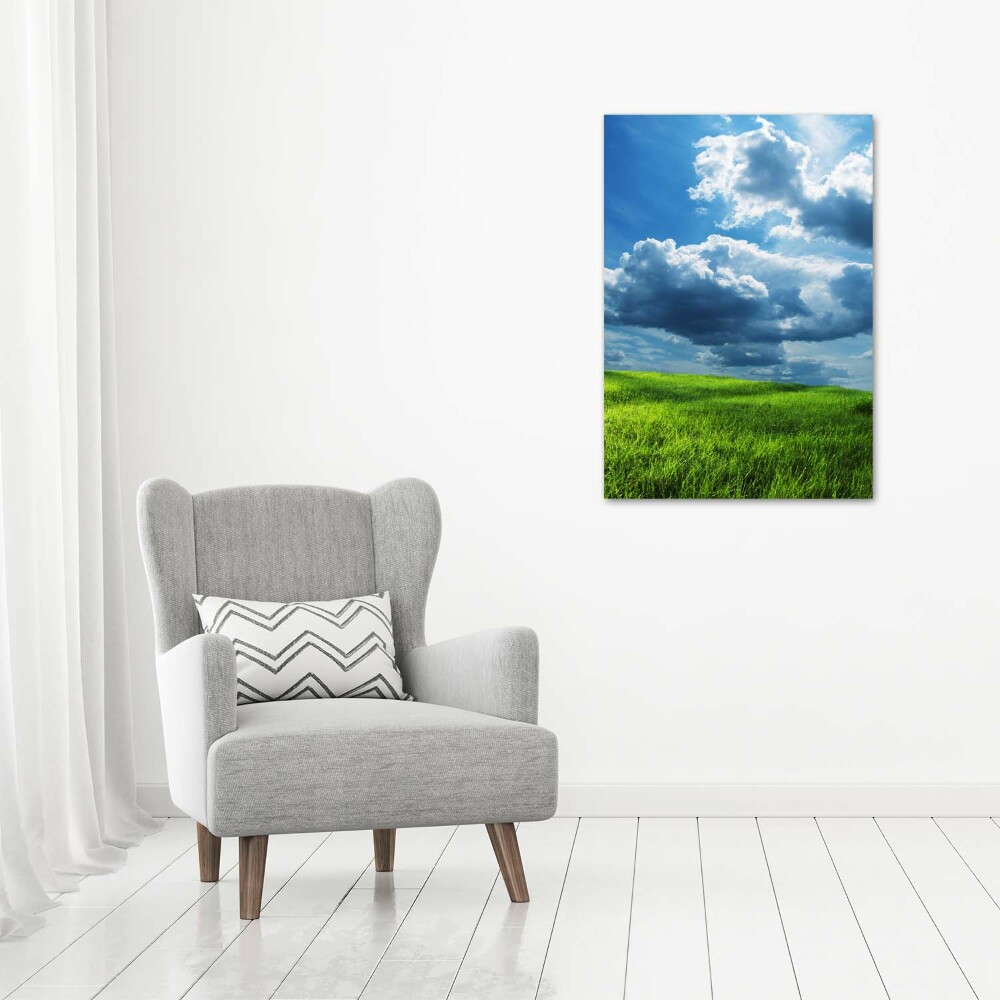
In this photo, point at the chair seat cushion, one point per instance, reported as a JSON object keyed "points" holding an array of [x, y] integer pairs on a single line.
{"points": [[354, 764]]}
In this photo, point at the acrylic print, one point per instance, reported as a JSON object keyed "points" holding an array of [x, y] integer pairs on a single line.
{"points": [[738, 306]]}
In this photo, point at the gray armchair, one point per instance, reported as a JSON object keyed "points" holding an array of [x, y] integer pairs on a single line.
{"points": [[466, 751]]}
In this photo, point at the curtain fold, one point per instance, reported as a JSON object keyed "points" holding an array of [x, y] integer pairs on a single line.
{"points": [[67, 782]]}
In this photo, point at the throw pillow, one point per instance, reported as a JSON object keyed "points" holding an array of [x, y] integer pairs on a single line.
{"points": [[308, 649]]}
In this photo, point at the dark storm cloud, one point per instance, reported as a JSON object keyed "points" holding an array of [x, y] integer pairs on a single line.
{"points": [[663, 286], [845, 217], [743, 355], [728, 294], [805, 371], [854, 292], [770, 165], [616, 359]]}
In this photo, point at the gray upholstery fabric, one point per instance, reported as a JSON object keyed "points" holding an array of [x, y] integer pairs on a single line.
{"points": [[283, 543], [495, 672], [288, 543], [166, 536], [406, 530], [343, 763], [346, 764]]}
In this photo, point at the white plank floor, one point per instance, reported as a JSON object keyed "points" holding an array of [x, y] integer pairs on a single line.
{"points": [[671, 909]]}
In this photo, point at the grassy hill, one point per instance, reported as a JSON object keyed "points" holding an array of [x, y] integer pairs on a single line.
{"points": [[706, 436]]}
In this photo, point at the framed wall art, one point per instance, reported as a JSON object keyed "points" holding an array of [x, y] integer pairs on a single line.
{"points": [[738, 306]]}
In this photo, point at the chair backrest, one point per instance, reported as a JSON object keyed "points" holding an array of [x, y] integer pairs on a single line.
{"points": [[288, 543]]}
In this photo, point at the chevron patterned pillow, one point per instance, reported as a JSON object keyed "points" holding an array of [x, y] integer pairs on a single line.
{"points": [[315, 649]]}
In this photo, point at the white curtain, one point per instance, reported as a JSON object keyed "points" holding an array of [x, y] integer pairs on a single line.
{"points": [[67, 782]]}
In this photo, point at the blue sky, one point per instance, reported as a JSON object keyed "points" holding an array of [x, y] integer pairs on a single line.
{"points": [[739, 245]]}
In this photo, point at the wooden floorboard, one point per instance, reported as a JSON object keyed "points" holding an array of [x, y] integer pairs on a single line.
{"points": [[328, 875], [192, 944], [505, 956], [668, 914], [914, 961], [829, 952], [342, 958], [90, 903], [744, 923], [965, 915], [681, 909], [427, 951], [589, 948], [977, 841]]}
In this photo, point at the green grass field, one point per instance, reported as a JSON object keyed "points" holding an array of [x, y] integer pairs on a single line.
{"points": [[703, 436]]}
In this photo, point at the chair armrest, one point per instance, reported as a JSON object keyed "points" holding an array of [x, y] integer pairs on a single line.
{"points": [[494, 672], [197, 682]]}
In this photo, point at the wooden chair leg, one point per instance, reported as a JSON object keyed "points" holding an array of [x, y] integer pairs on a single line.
{"points": [[209, 848], [385, 849], [253, 856], [503, 837]]}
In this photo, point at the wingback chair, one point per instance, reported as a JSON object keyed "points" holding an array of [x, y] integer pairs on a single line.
{"points": [[467, 750]]}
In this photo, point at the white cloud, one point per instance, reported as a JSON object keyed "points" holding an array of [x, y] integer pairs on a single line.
{"points": [[852, 175], [764, 171], [825, 136]]}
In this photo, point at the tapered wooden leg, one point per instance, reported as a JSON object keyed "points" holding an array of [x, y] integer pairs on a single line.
{"points": [[503, 837], [385, 849], [209, 848], [253, 855]]}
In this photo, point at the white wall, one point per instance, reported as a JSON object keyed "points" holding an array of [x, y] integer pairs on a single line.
{"points": [[361, 240]]}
